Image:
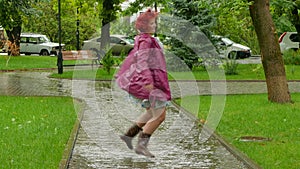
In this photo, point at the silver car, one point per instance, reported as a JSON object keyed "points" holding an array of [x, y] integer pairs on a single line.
{"points": [[118, 44], [229, 49]]}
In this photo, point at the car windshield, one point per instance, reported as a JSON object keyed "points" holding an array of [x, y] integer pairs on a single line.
{"points": [[227, 41], [129, 39], [43, 39]]}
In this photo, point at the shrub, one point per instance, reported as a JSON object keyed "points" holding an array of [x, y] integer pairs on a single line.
{"points": [[108, 61], [291, 57], [230, 66]]}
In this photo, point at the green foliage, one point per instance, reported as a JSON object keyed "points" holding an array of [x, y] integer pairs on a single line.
{"points": [[108, 61], [182, 51], [291, 57], [185, 42], [123, 26], [234, 21], [281, 13], [88, 16], [12, 12], [231, 66], [196, 12], [11, 18], [141, 4], [120, 59]]}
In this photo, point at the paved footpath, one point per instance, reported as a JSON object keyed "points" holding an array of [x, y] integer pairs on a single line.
{"points": [[109, 113]]}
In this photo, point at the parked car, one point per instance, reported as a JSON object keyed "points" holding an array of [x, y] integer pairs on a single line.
{"points": [[289, 40], [32, 43], [118, 44], [229, 49], [2, 39]]}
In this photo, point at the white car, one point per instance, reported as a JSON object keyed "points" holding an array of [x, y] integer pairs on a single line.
{"points": [[289, 40], [31, 43], [229, 49]]}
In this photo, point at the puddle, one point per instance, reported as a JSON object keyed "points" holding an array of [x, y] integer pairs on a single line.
{"points": [[254, 139]]}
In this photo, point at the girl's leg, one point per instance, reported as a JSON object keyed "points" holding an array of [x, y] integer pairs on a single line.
{"points": [[158, 116], [144, 118], [136, 128]]}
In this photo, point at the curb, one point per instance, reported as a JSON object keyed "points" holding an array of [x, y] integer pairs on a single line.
{"points": [[67, 154], [234, 151]]}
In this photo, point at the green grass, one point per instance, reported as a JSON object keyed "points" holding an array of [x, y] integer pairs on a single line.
{"points": [[246, 72], [96, 74], [254, 115], [34, 130], [27, 62], [33, 62]]}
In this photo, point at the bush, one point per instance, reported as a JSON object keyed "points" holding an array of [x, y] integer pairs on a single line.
{"points": [[291, 57], [230, 67], [108, 61]]}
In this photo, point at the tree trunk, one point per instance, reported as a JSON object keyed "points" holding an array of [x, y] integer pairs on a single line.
{"points": [[270, 52], [14, 40], [108, 16], [105, 40]]}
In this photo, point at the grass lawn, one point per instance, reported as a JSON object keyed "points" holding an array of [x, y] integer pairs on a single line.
{"points": [[27, 62], [254, 115], [33, 62], [96, 74], [34, 130], [246, 72]]}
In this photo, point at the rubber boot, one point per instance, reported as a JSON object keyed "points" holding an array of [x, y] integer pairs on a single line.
{"points": [[128, 136], [142, 144]]}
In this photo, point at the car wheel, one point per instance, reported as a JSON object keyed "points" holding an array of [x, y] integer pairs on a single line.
{"points": [[44, 53], [232, 55]]}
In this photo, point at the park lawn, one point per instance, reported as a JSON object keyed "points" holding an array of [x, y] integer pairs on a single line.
{"points": [[27, 62], [34, 130], [245, 72], [95, 74], [254, 115], [34, 62]]}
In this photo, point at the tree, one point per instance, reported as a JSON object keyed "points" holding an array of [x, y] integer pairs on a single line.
{"points": [[87, 12], [11, 18], [286, 13], [110, 8], [197, 14], [234, 21], [270, 52], [141, 4]]}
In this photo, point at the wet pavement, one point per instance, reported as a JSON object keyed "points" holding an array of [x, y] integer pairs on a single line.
{"points": [[109, 113]]}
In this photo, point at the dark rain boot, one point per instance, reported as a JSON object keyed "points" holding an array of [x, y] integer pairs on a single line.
{"points": [[128, 136], [141, 147]]}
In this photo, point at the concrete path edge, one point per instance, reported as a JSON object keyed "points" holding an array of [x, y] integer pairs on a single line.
{"points": [[233, 150], [67, 154]]}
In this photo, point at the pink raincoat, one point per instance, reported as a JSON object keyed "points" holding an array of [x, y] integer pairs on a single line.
{"points": [[147, 62]]}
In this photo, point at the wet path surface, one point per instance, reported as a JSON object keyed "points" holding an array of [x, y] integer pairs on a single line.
{"points": [[109, 113]]}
